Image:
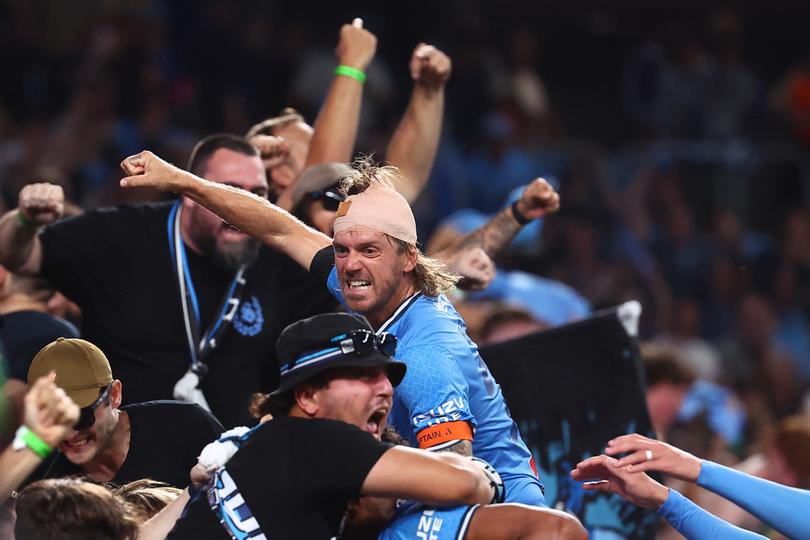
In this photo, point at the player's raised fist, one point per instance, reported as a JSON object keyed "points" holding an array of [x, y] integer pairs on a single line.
{"points": [[147, 170], [429, 66], [42, 203], [356, 46], [538, 199]]}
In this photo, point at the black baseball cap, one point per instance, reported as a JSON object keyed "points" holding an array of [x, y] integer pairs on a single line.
{"points": [[310, 346]]}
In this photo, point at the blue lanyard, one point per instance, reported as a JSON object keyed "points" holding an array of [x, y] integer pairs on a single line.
{"points": [[199, 346]]}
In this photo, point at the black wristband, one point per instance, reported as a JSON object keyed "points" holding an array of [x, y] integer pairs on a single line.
{"points": [[519, 217]]}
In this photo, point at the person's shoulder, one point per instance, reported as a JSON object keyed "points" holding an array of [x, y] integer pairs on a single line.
{"points": [[168, 410], [429, 316], [306, 426]]}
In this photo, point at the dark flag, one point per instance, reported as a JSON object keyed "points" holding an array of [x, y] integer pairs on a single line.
{"points": [[571, 389]]}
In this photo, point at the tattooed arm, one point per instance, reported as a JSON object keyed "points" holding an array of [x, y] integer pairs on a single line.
{"points": [[463, 448], [538, 200]]}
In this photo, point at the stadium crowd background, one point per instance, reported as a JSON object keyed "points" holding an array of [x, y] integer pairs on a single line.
{"points": [[677, 137]]}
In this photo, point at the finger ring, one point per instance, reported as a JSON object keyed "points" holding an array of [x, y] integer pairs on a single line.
{"points": [[649, 454]]}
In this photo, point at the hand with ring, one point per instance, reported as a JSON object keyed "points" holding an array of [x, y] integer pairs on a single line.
{"points": [[645, 454]]}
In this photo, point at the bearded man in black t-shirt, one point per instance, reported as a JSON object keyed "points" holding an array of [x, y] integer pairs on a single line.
{"points": [[170, 291], [294, 475], [110, 443]]}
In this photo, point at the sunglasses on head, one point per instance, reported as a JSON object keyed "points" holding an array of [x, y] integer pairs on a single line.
{"points": [[363, 342], [331, 199], [87, 415]]}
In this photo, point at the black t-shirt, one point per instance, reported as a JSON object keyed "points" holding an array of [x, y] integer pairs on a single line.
{"points": [[295, 476], [24, 333], [115, 263], [165, 439]]}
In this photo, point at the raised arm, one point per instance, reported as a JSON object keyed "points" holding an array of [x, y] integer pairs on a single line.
{"points": [[538, 200], [414, 143], [253, 215], [438, 479], [20, 249], [335, 129]]}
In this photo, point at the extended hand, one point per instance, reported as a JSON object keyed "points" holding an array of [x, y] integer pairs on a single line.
{"points": [[49, 412], [148, 170], [356, 46], [430, 67], [538, 200], [41, 203], [651, 455], [601, 473]]}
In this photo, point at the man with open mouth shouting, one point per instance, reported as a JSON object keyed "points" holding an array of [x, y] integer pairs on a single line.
{"points": [[293, 476]]}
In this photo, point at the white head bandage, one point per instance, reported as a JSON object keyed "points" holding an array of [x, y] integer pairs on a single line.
{"points": [[379, 208]]}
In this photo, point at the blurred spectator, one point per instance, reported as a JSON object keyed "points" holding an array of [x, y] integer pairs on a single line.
{"points": [[72, 509], [146, 497], [668, 380], [505, 323]]}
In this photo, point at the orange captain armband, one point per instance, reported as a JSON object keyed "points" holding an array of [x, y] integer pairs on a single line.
{"points": [[445, 432]]}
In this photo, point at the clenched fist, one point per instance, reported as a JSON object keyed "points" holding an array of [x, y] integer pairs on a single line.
{"points": [[148, 170], [49, 412], [475, 268], [272, 149], [357, 46], [538, 199], [429, 66], [41, 204]]}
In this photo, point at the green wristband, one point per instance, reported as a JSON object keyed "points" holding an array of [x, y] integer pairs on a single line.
{"points": [[354, 73], [32, 441], [24, 220]]}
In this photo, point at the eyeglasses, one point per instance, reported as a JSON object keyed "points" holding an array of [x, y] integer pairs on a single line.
{"points": [[363, 342], [331, 199], [87, 415]]}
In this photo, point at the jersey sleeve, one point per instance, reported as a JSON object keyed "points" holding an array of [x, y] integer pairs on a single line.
{"points": [[696, 523], [773, 503], [436, 396]]}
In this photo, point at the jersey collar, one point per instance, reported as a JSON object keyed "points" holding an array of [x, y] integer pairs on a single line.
{"points": [[399, 312]]}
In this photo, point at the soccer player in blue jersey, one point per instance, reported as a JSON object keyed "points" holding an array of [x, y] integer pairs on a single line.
{"points": [[449, 400]]}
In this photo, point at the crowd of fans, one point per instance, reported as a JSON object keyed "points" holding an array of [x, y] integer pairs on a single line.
{"points": [[706, 222]]}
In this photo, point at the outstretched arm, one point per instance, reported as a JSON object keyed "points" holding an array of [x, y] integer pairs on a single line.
{"points": [[538, 200], [335, 129], [414, 143], [253, 215], [773, 503], [602, 473]]}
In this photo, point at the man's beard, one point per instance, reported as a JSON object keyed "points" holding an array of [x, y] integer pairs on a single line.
{"points": [[233, 255]]}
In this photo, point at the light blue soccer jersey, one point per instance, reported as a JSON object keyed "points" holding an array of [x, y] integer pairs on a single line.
{"points": [[448, 387], [427, 523]]}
